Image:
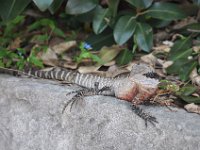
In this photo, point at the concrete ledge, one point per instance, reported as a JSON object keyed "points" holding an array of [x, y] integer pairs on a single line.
{"points": [[31, 119]]}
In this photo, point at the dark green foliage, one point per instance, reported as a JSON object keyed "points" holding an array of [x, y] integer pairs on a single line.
{"points": [[144, 36], [140, 3], [124, 29], [10, 9], [123, 23], [185, 93], [180, 55], [97, 40], [99, 22], [17, 56], [80, 6], [165, 11]]}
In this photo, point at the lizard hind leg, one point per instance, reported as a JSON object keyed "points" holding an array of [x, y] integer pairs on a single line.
{"points": [[145, 116]]}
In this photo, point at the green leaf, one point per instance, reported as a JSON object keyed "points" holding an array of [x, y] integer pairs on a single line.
{"points": [[190, 99], [99, 20], [8, 63], [113, 6], [124, 57], [124, 29], [55, 6], [40, 38], [11, 26], [21, 63], [35, 61], [1, 63], [187, 90], [186, 69], [3, 53], [140, 3], [9, 9], [181, 49], [182, 67], [42, 23], [165, 11], [97, 59], [158, 23], [80, 6], [59, 32], [43, 4], [144, 36]]}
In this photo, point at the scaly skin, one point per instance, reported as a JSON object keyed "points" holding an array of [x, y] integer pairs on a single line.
{"points": [[138, 87], [135, 88]]}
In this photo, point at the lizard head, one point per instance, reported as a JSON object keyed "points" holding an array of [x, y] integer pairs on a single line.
{"points": [[142, 69]]}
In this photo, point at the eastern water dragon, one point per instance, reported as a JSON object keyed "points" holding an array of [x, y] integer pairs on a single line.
{"points": [[139, 86]]}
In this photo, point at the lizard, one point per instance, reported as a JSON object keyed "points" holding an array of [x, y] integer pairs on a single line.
{"points": [[138, 87]]}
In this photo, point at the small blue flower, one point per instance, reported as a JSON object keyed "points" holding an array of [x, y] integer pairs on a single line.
{"points": [[87, 46]]}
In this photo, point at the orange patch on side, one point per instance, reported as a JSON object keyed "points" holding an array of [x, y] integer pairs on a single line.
{"points": [[128, 95], [145, 94]]}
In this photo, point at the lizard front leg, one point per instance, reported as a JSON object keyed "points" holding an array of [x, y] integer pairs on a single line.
{"points": [[136, 93], [85, 92], [145, 116]]}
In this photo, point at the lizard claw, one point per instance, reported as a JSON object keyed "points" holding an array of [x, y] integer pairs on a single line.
{"points": [[84, 92], [79, 95], [145, 116]]}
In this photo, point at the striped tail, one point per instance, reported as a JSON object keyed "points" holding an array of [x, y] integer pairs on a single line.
{"points": [[10, 71], [57, 74], [85, 80]]}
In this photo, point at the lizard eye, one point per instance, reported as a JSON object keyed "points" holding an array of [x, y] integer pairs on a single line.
{"points": [[151, 75]]}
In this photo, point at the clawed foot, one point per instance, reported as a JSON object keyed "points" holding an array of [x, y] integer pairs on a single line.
{"points": [[84, 92], [147, 117], [78, 96]]}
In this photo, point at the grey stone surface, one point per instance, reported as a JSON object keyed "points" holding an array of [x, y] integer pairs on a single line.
{"points": [[31, 119]]}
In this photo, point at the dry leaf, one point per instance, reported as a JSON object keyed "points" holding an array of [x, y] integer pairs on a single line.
{"points": [[149, 59], [111, 63], [184, 22], [49, 57], [192, 108], [195, 77], [114, 71], [130, 65], [196, 49], [89, 69], [64, 46], [15, 44], [107, 54], [161, 48], [168, 43], [167, 64], [161, 35], [67, 64]]}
